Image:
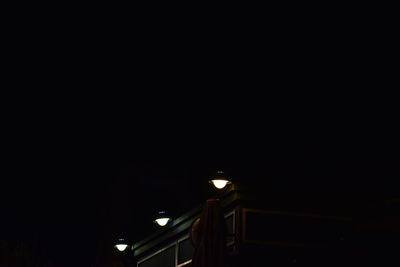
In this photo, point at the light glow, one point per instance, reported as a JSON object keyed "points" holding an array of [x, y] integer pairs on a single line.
{"points": [[121, 247], [162, 221], [219, 183]]}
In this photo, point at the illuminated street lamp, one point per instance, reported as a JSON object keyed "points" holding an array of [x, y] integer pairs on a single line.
{"points": [[121, 244], [220, 180], [162, 218]]}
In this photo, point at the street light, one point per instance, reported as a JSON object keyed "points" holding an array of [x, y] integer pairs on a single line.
{"points": [[220, 180], [162, 218], [121, 244]]}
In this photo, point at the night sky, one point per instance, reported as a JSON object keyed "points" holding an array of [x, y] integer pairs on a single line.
{"points": [[81, 169]]}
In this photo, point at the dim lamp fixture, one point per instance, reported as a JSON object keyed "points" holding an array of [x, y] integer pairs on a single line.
{"points": [[121, 245], [162, 219], [220, 180]]}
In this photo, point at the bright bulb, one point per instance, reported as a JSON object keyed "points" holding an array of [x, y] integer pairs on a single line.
{"points": [[162, 221], [121, 247], [219, 183]]}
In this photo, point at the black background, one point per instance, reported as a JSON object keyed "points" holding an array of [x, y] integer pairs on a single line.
{"points": [[103, 126]]}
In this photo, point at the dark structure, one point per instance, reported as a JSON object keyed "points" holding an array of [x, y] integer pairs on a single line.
{"points": [[208, 235], [287, 230]]}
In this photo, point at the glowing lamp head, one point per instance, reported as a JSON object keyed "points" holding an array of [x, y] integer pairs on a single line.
{"points": [[219, 183], [121, 247], [162, 219], [121, 244], [220, 180]]}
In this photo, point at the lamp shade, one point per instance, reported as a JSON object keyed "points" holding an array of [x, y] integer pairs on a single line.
{"points": [[162, 218], [121, 244], [220, 180]]}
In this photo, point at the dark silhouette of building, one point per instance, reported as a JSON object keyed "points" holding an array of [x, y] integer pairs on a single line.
{"points": [[287, 230]]}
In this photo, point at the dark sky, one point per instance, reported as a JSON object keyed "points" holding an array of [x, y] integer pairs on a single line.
{"points": [[91, 167], [83, 170]]}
